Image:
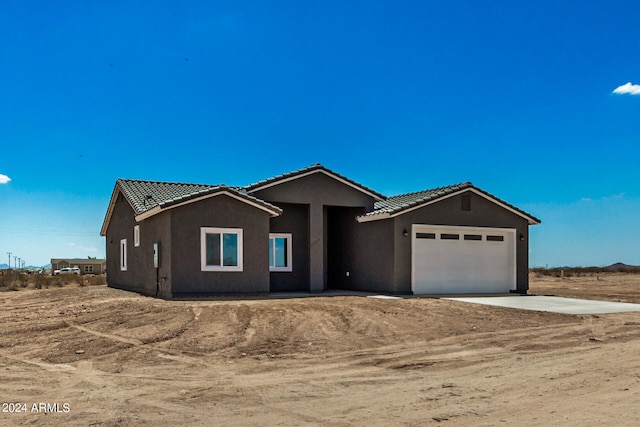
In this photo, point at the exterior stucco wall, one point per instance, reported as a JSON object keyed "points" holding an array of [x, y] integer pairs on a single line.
{"points": [[294, 220], [120, 227], [367, 257], [448, 212], [154, 230], [223, 211], [317, 191], [140, 275]]}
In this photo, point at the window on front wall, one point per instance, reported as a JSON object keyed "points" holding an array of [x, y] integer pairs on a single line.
{"points": [[123, 255], [280, 252], [88, 268], [221, 249]]}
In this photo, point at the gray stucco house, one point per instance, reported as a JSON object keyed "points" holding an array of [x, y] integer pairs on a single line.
{"points": [[311, 230]]}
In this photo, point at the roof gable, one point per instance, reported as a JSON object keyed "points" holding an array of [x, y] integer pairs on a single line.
{"points": [[310, 170], [398, 205], [148, 198]]}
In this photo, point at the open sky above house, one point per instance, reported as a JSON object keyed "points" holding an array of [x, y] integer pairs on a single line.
{"points": [[536, 102]]}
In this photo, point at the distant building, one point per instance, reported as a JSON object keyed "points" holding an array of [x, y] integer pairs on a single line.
{"points": [[86, 265]]}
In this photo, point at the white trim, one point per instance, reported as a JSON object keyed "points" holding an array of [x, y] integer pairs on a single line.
{"points": [[112, 203], [376, 217], [417, 228], [302, 175], [157, 209], [151, 212], [203, 249], [289, 266], [123, 255], [136, 236], [385, 215]]}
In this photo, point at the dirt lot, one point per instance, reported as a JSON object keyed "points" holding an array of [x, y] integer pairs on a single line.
{"points": [[98, 356]]}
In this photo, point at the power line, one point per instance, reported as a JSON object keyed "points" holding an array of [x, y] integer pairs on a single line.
{"points": [[49, 232]]}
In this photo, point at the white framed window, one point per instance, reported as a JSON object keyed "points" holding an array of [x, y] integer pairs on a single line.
{"points": [[123, 255], [88, 268], [280, 252], [220, 249], [136, 236]]}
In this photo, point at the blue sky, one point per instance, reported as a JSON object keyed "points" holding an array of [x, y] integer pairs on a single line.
{"points": [[516, 97]]}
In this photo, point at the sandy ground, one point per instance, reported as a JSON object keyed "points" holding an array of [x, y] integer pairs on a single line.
{"points": [[98, 356]]}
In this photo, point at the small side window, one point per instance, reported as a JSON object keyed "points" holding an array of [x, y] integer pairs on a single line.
{"points": [[136, 236], [123, 255]]}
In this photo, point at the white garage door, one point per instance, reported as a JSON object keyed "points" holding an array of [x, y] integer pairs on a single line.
{"points": [[454, 260]]}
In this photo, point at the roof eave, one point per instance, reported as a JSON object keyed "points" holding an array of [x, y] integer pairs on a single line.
{"points": [[273, 211], [112, 203], [374, 217]]}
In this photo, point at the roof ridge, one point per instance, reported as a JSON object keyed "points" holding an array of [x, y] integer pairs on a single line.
{"points": [[286, 174], [150, 181], [460, 184]]}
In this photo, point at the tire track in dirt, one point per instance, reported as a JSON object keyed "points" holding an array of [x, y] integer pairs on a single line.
{"points": [[164, 353], [119, 338], [50, 367]]}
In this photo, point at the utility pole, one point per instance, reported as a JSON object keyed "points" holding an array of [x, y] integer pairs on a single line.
{"points": [[15, 261], [9, 253], [19, 263]]}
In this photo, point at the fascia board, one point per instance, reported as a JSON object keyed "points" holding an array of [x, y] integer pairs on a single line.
{"points": [[157, 209], [112, 203], [364, 218], [385, 215]]}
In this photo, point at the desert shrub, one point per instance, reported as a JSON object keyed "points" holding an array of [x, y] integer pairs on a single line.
{"points": [[92, 280], [39, 280], [13, 280], [582, 271]]}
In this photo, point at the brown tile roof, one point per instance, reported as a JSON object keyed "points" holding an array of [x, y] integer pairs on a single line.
{"points": [[146, 195], [396, 205], [143, 196]]}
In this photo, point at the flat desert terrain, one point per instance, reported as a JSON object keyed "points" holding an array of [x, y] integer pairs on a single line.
{"points": [[95, 356]]}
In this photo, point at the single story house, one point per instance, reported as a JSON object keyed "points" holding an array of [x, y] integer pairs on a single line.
{"points": [[86, 265], [311, 230]]}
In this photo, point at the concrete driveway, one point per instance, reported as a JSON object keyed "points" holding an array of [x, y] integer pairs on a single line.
{"points": [[553, 304]]}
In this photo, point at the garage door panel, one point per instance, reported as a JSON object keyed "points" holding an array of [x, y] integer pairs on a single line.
{"points": [[477, 264]]}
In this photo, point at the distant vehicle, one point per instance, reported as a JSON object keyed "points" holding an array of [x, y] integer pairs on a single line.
{"points": [[67, 270]]}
